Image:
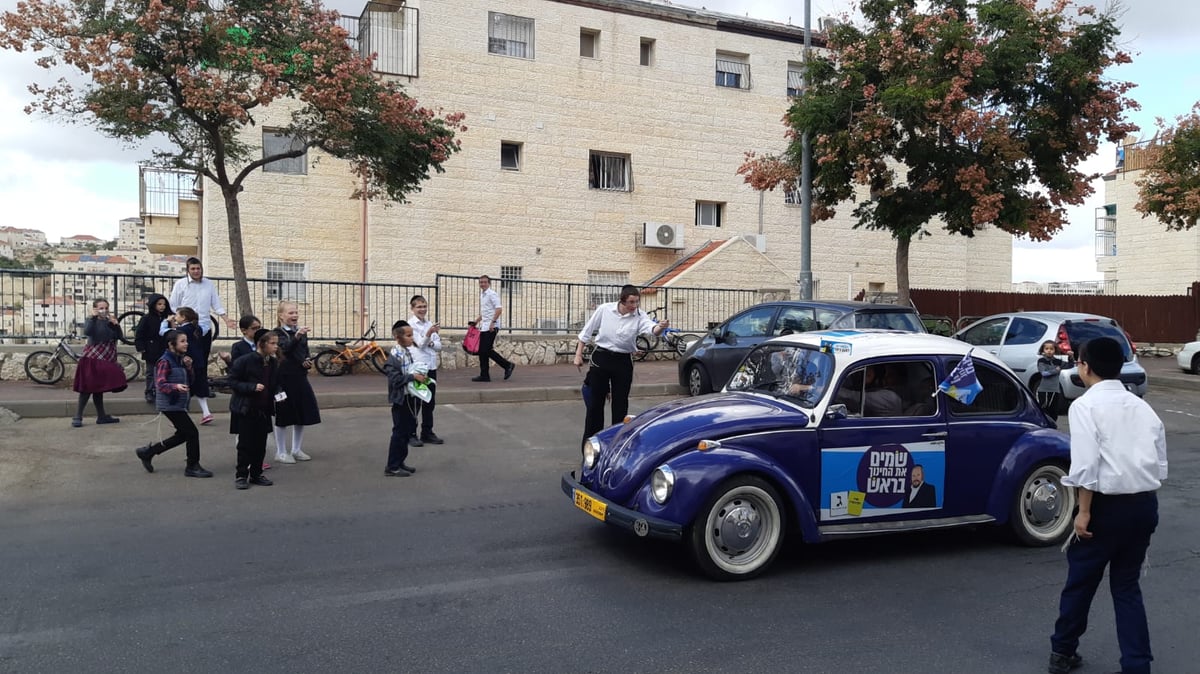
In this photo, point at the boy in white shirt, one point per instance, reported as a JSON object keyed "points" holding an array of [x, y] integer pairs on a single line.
{"points": [[426, 345]]}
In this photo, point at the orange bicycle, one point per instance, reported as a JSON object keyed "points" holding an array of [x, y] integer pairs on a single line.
{"points": [[339, 361]]}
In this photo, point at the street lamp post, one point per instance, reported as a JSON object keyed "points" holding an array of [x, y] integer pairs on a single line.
{"points": [[805, 279]]}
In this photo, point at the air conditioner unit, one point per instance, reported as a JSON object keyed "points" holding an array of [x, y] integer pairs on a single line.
{"points": [[662, 235]]}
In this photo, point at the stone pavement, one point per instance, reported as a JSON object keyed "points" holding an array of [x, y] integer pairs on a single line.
{"points": [[367, 389]]}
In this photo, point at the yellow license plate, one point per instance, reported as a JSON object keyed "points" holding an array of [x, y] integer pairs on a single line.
{"points": [[590, 505]]}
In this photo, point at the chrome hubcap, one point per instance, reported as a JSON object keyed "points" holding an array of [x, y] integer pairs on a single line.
{"points": [[1042, 501], [738, 527]]}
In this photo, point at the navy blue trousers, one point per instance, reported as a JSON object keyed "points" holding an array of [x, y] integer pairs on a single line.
{"points": [[404, 424], [1121, 527]]}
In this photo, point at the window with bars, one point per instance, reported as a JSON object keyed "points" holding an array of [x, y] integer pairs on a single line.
{"points": [[508, 274], [607, 171], [605, 286], [708, 213], [273, 143], [733, 70], [510, 35], [791, 194], [795, 79], [278, 273]]}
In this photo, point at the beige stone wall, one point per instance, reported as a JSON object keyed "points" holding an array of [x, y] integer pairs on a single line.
{"points": [[684, 135], [1150, 260]]}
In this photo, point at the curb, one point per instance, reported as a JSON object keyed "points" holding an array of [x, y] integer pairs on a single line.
{"points": [[61, 409]]}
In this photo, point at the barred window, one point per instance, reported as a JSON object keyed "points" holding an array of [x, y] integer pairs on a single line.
{"points": [[510, 277], [605, 286], [510, 35], [609, 172], [278, 272], [275, 143]]}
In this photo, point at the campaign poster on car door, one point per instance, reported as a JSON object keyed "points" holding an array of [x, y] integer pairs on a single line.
{"points": [[885, 479]]}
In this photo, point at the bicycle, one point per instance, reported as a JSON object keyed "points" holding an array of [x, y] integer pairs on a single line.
{"points": [[339, 361], [677, 341], [1149, 349], [130, 320], [48, 367]]}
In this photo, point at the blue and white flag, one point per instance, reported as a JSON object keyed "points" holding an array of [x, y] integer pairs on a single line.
{"points": [[961, 384]]}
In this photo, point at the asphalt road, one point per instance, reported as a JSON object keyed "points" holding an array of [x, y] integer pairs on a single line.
{"points": [[479, 564]]}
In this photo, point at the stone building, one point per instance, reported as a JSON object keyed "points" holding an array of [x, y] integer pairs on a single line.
{"points": [[603, 143]]}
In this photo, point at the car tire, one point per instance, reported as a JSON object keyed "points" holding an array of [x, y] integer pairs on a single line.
{"points": [[740, 529], [1043, 510], [1196, 364], [698, 382]]}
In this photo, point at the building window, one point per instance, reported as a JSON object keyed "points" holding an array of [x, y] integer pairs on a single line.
{"points": [[510, 156], [278, 273], [605, 286], [733, 70], [791, 194], [609, 172], [275, 143], [795, 79], [708, 213], [647, 54], [589, 43], [510, 278], [510, 35]]}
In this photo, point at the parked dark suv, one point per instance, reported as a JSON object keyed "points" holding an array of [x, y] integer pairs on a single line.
{"points": [[708, 364]]}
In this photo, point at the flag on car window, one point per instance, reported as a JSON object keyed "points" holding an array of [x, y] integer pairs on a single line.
{"points": [[961, 384]]}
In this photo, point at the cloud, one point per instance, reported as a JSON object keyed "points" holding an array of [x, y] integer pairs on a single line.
{"points": [[64, 198], [1050, 264]]}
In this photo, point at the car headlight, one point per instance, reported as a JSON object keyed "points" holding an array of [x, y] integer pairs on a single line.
{"points": [[591, 452], [662, 483]]}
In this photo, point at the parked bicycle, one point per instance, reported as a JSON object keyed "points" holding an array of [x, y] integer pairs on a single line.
{"points": [[673, 340], [130, 320], [48, 367], [339, 361]]}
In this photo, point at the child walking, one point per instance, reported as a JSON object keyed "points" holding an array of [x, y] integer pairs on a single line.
{"points": [[148, 340], [1049, 388], [98, 372], [172, 384], [399, 370], [255, 381]]}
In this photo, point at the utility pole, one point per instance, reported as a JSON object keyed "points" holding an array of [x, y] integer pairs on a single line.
{"points": [[805, 280]]}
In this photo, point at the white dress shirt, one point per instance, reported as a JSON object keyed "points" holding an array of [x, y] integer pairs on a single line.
{"points": [[201, 296], [489, 302], [1118, 443], [616, 331], [425, 346]]}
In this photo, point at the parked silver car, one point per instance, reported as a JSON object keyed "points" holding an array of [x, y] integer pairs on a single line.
{"points": [[1189, 357], [1017, 337]]}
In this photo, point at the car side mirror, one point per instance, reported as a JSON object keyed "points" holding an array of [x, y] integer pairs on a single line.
{"points": [[837, 411], [729, 338]]}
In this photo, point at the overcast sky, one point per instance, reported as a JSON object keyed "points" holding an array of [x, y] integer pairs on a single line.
{"points": [[67, 179]]}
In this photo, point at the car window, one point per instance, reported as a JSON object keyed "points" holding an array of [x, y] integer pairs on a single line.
{"points": [[999, 395], [894, 389], [801, 373], [826, 318], [795, 319], [1079, 332], [987, 333], [1024, 331], [753, 323], [888, 320]]}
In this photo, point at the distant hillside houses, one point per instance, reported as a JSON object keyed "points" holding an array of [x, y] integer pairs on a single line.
{"points": [[17, 237], [81, 242]]}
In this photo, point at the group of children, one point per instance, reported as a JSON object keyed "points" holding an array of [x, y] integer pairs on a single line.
{"points": [[267, 373]]}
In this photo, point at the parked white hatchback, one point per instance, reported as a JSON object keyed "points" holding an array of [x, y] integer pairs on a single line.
{"points": [[1189, 357]]}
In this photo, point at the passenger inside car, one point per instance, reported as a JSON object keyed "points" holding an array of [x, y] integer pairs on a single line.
{"points": [[863, 392]]}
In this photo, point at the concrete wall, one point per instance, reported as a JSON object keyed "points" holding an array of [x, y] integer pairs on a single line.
{"points": [[1150, 260]]}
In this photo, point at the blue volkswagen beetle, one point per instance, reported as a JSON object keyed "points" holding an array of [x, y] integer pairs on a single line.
{"points": [[826, 435]]}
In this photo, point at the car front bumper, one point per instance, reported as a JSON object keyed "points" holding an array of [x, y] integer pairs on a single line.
{"points": [[610, 513], [1186, 354]]}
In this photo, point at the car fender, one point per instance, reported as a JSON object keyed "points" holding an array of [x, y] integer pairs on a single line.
{"points": [[698, 473], [1034, 447]]}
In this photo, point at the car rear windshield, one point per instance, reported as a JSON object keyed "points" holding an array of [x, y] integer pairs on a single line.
{"points": [[1079, 332], [889, 320]]}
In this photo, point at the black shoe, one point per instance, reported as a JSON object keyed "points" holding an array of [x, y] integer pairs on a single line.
{"points": [[509, 370], [76, 422], [399, 472], [212, 394], [481, 378], [414, 441], [410, 469], [107, 419], [150, 399], [241, 483], [145, 454], [262, 481], [431, 438], [197, 471], [1061, 664]]}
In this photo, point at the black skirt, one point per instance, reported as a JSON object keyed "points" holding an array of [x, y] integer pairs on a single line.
{"points": [[300, 408]]}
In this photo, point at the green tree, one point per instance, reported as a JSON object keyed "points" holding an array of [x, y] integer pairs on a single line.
{"points": [[10, 263], [1170, 188], [198, 73], [974, 113]]}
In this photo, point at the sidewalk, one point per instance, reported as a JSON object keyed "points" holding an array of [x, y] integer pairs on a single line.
{"points": [[367, 389], [529, 383]]}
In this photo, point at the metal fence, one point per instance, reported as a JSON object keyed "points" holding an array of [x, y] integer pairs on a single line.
{"points": [[45, 305]]}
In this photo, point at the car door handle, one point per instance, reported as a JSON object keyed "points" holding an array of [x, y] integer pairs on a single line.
{"points": [[934, 435]]}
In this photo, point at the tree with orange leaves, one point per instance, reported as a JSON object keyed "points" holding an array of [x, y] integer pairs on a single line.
{"points": [[1170, 188], [974, 113], [198, 72]]}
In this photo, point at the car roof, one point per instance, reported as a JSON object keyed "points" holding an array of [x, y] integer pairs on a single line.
{"points": [[866, 344], [846, 306], [1048, 315]]}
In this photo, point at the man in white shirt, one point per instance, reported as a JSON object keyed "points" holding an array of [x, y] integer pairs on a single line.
{"points": [[488, 323], [1118, 461], [426, 345], [200, 294]]}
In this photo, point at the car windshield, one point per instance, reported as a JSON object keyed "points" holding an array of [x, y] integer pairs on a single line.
{"points": [[799, 373], [889, 320], [1079, 332]]}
